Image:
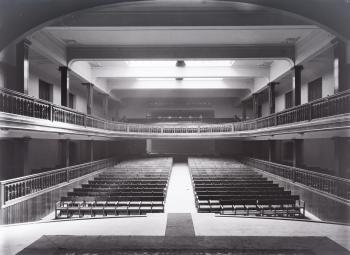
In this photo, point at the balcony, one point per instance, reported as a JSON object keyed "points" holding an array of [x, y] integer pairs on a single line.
{"points": [[25, 113]]}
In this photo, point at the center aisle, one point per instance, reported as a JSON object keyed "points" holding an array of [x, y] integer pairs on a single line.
{"points": [[180, 198]]}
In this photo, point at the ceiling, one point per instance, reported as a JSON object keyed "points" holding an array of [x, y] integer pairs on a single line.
{"points": [[157, 36], [179, 24]]}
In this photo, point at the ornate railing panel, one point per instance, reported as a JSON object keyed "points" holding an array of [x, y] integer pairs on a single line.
{"points": [[17, 103], [19, 187], [331, 184]]}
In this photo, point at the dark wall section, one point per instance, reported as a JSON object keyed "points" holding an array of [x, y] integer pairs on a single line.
{"points": [[11, 159], [229, 148], [328, 156], [7, 76], [183, 147], [21, 156], [129, 149]]}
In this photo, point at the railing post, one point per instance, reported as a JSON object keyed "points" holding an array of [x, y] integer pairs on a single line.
{"points": [[2, 194], [51, 112], [293, 174], [310, 111], [67, 174]]}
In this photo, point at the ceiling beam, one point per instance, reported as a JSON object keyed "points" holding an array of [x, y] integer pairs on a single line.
{"points": [[180, 52], [179, 18]]}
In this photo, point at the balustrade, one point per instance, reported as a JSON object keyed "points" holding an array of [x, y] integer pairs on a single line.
{"points": [[17, 103], [327, 183], [27, 185]]}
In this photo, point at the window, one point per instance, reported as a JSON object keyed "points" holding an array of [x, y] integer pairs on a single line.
{"points": [[71, 101], [45, 91], [289, 99], [315, 89]]}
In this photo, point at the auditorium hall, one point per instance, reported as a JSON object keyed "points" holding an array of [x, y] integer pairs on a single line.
{"points": [[166, 127]]}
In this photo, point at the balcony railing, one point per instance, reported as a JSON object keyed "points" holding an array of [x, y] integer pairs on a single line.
{"points": [[27, 185], [327, 183], [323, 107], [18, 103]]}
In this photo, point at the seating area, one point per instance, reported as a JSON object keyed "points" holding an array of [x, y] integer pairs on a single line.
{"points": [[230, 187], [133, 187]]}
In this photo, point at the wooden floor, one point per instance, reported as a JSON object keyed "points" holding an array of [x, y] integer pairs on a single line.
{"points": [[15, 238], [180, 197]]}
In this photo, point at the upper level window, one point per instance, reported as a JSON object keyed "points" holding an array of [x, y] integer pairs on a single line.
{"points": [[315, 89], [71, 101], [45, 91], [289, 99]]}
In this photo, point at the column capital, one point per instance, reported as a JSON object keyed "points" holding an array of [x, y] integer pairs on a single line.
{"points": [[272, 83], [26, 42], [27, 138], [63, 68], [24, 139], [298, 68], [87, 84]]}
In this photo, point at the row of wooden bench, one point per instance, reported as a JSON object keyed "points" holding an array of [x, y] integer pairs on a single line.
{"points": [[108, 206], [236, 189], [125, 190]]}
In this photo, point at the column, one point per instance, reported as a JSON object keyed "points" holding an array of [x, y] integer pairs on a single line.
{"points": [[148, 146], [297, 152], [22, 66], [272, 96], [90, 97], [64, 85], [271, 149], [91, 150], [244, 111], [341, 66], [22, 156], [256, 105], [337, 155], [297, 85], [106, 145], [105, 105], [64, 148]]}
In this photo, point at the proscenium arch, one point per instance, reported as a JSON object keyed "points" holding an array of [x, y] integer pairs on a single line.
{"points": [[21, 18]]}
